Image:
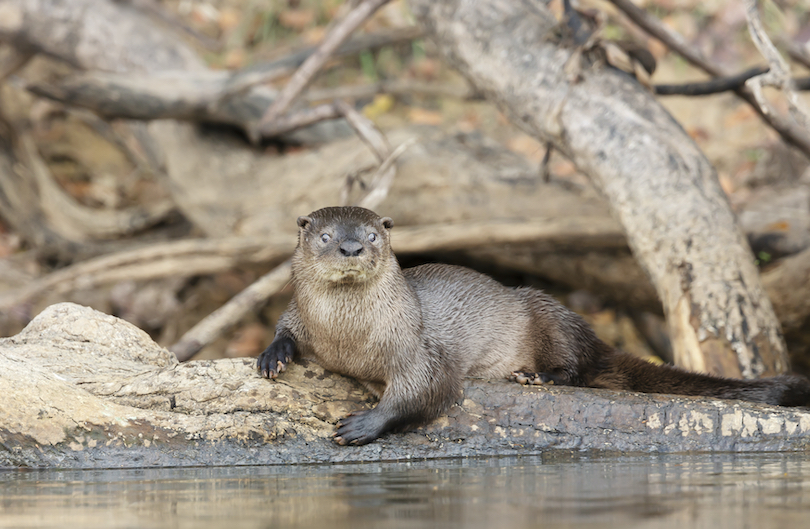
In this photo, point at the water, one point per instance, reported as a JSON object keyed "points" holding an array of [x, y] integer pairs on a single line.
{"points": [[677, 491]]}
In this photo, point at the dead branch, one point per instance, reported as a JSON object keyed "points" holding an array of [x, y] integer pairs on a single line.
{"points": [[714, 86], [302, 77], [191, 257], [366, 130], [779, 73], [75, 221], [157, 11], [263, 73], [183, 258], [790, 132], [798, 53], [201, 95], [394, 87], [300, 119], [383, 177]]}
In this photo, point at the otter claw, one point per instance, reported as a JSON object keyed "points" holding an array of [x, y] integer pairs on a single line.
{"points": [[274, 359], [535, 379]]}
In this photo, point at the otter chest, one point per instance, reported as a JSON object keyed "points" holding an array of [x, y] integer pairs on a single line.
{"points": [[349, 336]]}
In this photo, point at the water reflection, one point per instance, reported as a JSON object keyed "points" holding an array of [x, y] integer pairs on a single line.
{"points": [[712, 491]]}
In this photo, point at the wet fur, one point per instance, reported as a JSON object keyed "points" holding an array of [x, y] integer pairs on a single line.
{"points": [[412, 335]]}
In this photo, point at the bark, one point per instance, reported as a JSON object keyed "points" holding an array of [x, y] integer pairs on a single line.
{"points": [[660, 186], [82, 389]]}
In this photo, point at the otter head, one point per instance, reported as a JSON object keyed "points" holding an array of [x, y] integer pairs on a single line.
{"points": [[342, 245]]}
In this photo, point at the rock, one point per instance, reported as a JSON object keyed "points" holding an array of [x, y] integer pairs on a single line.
{"points": [[82, 389]]}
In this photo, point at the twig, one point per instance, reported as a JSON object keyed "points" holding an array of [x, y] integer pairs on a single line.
{"points": [[779, 74], [265, 72], [800, 54], [383, 178], [545, 169], [175, 258], [365, 129], [790, 132], [339, 33], [299, 119], [716, 85], [396, 87], [151, 8]]}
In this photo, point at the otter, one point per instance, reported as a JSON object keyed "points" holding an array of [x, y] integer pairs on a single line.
{"points": [[411, 336]]}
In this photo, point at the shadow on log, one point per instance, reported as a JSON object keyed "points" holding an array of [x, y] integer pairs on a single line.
{"points": [[86, 390]]}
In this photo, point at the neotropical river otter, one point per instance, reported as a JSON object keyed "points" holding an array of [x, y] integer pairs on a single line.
{"points": [[412, 335]]}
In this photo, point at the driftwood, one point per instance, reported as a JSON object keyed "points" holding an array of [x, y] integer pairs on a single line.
{"points": [[660, 186], [82, 389]]}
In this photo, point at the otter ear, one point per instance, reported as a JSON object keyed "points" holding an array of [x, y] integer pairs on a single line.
{"points": [[387, 222], [303, 221]]}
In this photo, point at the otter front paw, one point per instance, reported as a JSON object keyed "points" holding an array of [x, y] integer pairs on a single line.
{"points": [[359, 428], [275, 358]]}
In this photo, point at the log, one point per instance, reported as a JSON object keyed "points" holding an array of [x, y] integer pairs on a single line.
{"points": [[82, 389], [661, 188]]}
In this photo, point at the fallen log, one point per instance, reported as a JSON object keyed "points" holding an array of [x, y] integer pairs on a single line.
{"points": [[82, 389]]}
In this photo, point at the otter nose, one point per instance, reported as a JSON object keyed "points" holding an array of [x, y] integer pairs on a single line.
{"points": [[351, 248]]}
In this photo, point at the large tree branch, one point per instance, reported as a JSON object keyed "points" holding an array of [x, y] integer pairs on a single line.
{"points": [[660, 186]]}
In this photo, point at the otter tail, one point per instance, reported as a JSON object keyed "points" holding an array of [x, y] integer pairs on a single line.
{"points": [[625, 371]]}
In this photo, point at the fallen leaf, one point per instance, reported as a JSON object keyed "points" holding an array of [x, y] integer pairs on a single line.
{"points": [[742, 114], [527, 146], [781, 225], [297, 19], [381, 104], [229, 19], [235, 59], [422, 116]]}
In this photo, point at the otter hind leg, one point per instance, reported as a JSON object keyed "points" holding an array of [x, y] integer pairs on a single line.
{"points": [[529, 378], [363, 426]]}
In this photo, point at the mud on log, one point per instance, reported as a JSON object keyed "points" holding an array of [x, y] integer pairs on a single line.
{"points": [[82, 389]]}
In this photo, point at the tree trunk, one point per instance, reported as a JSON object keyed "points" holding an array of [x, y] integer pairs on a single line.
{"points": [[660, 186]]}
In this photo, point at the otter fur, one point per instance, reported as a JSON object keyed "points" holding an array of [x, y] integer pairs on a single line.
{"points": [[411, 336]]}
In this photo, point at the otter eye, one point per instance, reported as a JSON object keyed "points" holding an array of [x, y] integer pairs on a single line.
{"points": [[325, 237], [372, 237]]}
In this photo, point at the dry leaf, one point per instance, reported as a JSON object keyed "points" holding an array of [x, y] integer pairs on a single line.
{"points": [[381, 104], [421, 116], [527, 146], [229, 19], [297, 19]]}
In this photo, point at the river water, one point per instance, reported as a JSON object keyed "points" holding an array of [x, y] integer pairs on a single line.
{"points": [[560, 490]]}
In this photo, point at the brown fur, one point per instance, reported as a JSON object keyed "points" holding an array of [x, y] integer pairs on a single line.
{"points": [[412, 335]]}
